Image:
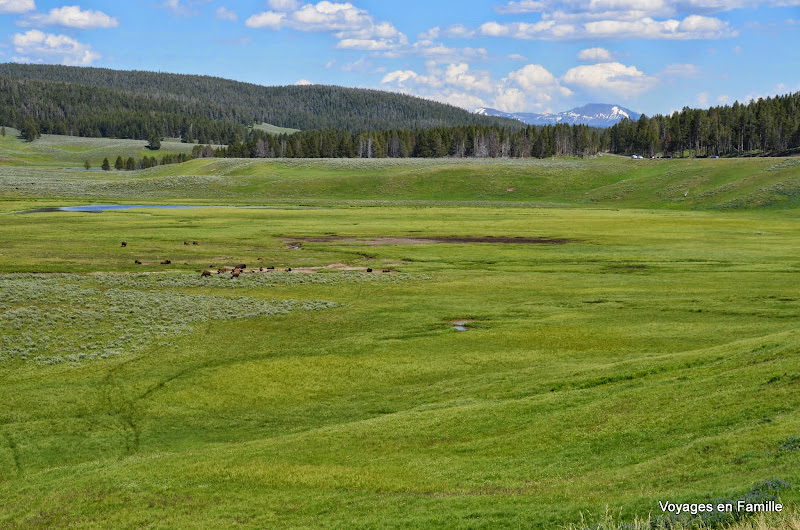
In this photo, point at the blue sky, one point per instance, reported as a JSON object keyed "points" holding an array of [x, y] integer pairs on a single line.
{"points": [[653, 56]]}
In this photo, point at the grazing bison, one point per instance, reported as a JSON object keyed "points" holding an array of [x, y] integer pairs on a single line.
{"points": [[205, 273], [288, 269], [137, 262], [124, 243], [166, 262], [386, 270], [185, 242], [195, 243], [271, 268], [261, 269], [369, 269], [235, 273], [242, 266]]}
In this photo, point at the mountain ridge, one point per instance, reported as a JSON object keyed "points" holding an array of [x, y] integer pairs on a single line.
{"points": [[602, 115]]}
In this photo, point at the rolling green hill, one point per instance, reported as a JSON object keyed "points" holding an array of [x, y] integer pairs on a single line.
{"points": [[678, 184]]}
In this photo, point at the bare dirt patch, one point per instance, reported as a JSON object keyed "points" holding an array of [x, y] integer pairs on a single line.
{"points": [[503, 240]]}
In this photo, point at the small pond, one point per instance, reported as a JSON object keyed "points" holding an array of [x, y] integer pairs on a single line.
{"points": [[97, 208]]}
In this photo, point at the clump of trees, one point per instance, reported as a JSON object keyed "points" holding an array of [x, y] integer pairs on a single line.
{"points": [[767, 126], [146, 162]]}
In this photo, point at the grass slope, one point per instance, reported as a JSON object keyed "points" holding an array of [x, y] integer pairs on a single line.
{"points": [[653, 356], [274, 129], [608, 181], [72, 151]]}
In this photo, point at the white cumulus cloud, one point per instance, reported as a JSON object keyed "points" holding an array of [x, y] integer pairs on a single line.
{"points": [[354, 27], [223, 13], [283, 5], [619, 19], [692, 27], [523, 6], [399, 76], [268, 19], [71, 17], [365, 44], [594, 55], [37, 46], [16, 6], [529, 88], [610, 77]]}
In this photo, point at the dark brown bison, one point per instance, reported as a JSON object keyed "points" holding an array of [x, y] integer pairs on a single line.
{"points": [[166, 262], [185, 242], [124, 243], [288, 269], [271, 268], [242, 266], [195, 243], [205, 273], [369, 269], [137, 262], [386, 270]]}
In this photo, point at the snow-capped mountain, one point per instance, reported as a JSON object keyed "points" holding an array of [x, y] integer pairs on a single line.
{"points": [[594, 114]]}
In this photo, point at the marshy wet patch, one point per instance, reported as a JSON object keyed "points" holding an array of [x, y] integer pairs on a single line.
{"points": [[463, 324], [415, 240], [99, 208]]}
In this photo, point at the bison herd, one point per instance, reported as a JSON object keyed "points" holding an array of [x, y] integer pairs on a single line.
{"points": [[235, 271]]}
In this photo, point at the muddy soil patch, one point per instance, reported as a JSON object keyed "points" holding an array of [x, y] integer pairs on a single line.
{"points": [[503, 240]]}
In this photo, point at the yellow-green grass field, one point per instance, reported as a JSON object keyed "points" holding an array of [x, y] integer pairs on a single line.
{"points": [[72, 151], [274, 129], [645, 349]]}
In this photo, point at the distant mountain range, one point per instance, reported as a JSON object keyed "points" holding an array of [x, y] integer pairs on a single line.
{"points": [[594, 114]]}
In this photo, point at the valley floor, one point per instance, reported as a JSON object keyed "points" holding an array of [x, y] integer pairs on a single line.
{"points": [[636, 345]]}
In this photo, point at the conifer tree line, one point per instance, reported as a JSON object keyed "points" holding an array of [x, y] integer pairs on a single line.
{"points": [[460, 142], [146, 162], [768, 126]]}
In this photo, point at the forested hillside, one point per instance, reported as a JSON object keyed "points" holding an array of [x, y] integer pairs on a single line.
{"points": [[768, 126], [133, 104]]}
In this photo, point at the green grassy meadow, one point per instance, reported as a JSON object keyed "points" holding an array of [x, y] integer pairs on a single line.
{"points": [[274, 129], [72, 151], [650, 356]]}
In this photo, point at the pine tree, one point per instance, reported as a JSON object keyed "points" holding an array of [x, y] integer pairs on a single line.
{"points": [[3, 132], [106, 166], [87, 165], [29, 130], [154, 142], [130, 164], [119, 164]]}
